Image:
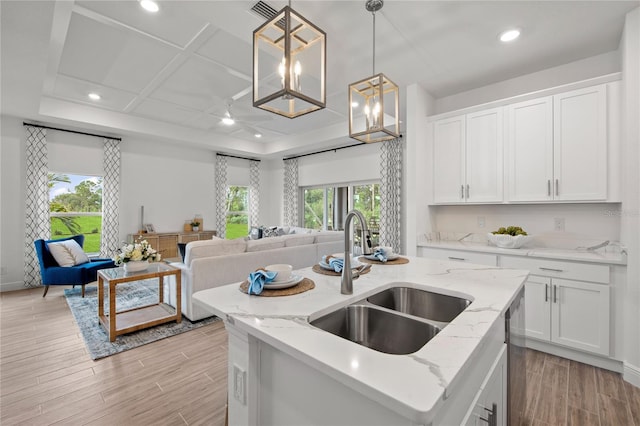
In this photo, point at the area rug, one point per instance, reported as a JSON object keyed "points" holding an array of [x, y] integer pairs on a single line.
{"points": [[139, 293]]}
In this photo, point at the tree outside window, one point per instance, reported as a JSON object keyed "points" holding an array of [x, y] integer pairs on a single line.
{"points": [[75, 203], [237, 213]]}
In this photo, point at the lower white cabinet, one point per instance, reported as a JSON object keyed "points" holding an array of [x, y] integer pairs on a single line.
{"points": [[568, 312], [490, 404]]}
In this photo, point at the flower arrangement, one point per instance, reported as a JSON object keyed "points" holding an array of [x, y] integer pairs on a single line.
{"points": [[140, 250]]}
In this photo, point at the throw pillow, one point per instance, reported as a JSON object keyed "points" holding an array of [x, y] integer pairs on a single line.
{"points": [[68, 253]]}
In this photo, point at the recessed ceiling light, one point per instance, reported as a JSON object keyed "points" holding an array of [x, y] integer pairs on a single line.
{"points": [[258, 135], [94, 96], [149, 5], [509, 35], [228, 121]]}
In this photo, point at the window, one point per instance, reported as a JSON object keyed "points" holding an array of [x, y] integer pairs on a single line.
{"points": [[237, 224], [327, 207], [75, 203]]}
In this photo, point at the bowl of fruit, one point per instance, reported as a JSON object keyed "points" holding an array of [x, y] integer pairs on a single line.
{"points": [[511, 237]]}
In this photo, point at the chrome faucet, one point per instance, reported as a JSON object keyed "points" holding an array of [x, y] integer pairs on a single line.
{"points": [[347, 275]]}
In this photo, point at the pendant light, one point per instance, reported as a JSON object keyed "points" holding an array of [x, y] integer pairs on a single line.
{"points": [[289, 70], [374, 102]]}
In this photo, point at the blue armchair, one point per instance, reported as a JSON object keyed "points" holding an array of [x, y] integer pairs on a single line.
{"points": [[53, 274]]}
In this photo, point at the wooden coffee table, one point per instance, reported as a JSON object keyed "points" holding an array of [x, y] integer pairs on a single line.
{"points": [[138, 318]]}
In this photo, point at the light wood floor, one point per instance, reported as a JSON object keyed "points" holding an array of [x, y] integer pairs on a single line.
{"points": [[47, 377]]}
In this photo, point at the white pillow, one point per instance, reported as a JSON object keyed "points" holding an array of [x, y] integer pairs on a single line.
{"points": [[68, 253]]}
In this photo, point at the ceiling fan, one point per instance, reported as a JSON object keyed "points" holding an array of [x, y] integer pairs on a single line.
{"points": [[231, 119]]}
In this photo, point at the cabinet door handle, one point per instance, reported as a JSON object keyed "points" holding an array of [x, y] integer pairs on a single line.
{"points": [[546, 292], [549, 187], [555, 293], [557, 187], [492, 418], [457, 258], [467, 191], [550, 269], [462, 192]]}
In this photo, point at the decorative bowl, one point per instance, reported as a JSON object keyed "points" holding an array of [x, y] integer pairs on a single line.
{"points": [[508, 241]]}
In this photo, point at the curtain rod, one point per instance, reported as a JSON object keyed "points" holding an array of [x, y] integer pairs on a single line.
{"points": [[237, 156], [70, 131], [327, 150]]}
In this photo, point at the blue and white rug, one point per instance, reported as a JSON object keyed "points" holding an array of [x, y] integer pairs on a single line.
{"points": [[129, 295]]}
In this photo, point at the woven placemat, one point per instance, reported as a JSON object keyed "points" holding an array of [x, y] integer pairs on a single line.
{"points": [[305, 285], [319, 269], [398, 261]]}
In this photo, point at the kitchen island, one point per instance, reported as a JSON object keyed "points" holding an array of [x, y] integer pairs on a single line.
{"points": [[282, 370]]}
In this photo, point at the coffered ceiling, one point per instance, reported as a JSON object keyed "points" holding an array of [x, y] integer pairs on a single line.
{"points": [[170, 75]]}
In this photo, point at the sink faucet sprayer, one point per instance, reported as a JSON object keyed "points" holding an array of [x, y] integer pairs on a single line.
{"points": [[347, 275]]}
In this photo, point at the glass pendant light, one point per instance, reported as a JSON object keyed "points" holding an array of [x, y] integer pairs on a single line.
{"points": [[289, 70], [375, 101]]}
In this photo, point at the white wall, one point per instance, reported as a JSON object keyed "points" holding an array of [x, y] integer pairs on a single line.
{"points": [[630, 212], [584, 69], [595, 221]]}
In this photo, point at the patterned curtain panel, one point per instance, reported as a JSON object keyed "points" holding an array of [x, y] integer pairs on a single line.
{"points": [[110, 198], [390, 193], [290, 199], [221, 195], [37, 202], [254, 193]]}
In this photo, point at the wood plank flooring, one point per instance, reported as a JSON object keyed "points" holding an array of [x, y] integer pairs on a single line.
{"points": [[47, 377]]}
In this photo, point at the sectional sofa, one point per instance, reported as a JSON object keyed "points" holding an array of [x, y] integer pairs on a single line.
{"points": [[217, 262]]}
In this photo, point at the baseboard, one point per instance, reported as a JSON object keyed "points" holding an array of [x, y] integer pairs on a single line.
{"points": [[17, 285], [575, 355], [631, 374]]}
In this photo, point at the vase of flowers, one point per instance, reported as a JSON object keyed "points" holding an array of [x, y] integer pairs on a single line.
{"points": [[195, 226], [135, 257]]}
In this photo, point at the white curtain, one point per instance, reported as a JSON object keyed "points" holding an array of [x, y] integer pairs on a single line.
{"points": [[290, 199], [110, 198], [37, 202], [390, 193], [221, 195], [254, 192]]}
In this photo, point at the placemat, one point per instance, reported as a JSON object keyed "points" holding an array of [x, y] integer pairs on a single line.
{"points": [[398, 261], [305, 285], [319, 269]]}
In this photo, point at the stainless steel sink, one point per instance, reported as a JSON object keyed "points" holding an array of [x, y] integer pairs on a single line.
{"points": [[420, 303], [377, 329]]}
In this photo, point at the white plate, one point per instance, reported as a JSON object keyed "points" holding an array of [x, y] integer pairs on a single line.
{"points": [[372, 257], [355, 263], [294, 280]]}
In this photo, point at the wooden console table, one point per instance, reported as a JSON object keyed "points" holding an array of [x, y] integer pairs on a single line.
{"points": [[166, 243], [138, 318]]}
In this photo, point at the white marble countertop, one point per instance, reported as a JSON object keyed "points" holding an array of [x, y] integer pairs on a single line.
{"points": [[597, 256], [419, 382]]}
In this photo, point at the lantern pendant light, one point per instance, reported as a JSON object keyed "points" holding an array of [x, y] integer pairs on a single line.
{"points": [[289, 65], [374, 102]]}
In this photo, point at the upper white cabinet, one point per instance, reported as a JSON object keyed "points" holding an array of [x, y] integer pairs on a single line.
{"points": [[529, 150], [557, 147], [580, 144], [554, 148], [468, 160]]}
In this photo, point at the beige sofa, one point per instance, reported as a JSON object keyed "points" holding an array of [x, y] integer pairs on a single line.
{"points": [[217, 262]]}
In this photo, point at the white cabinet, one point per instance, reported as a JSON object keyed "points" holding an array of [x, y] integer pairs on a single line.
{"points": [[567, 311], [489, 408], [468, 158], [449, 160], [529, 150], [580, 144], [556, 147]]}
